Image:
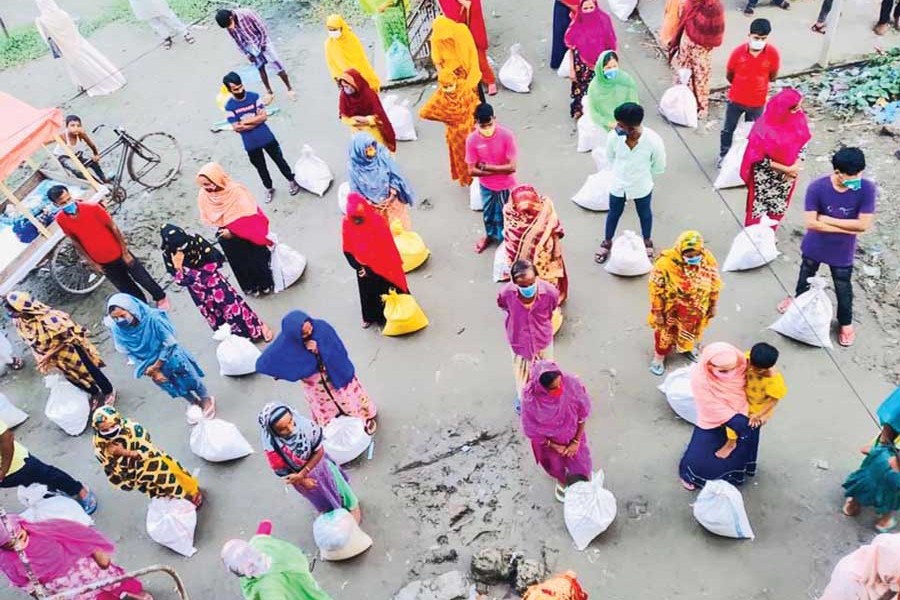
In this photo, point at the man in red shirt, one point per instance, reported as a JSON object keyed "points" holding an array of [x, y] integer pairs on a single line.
{"points": [[98, 239], [751, 67]]}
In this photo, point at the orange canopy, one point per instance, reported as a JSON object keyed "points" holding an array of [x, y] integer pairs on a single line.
{"points": [[23, 130]]}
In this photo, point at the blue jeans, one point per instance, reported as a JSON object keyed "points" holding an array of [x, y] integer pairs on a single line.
{"points": [[617, 207]]}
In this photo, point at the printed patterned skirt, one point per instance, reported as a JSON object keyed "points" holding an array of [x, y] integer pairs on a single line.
{"points": [[219, 302], [327, 402], [583, 76], [86, 571]]}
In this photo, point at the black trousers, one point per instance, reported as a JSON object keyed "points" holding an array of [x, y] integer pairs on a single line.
{"points": [[885, 16], [258, 160], [126, 279], [36, 471], [843, 287], [101, 385], [733, 112]]}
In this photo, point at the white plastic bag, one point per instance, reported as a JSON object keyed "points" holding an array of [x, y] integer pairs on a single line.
{"points": [[67, 405], [594, 193], [287, 265], [622, 8], [10, 413], [236, 355], [599, 156], [516, 73], [343, 193], [401, 118], [476, 202], [679, 395], [628, 256], [215, 440], [346, 438], [171, 523], [753, 247], [501, 266], [311, 172], [6, 351], [565, 67], [678, 104], [720, 509], [590, 135], [730, 172], [589, 510], [41, 506], [808, 319]]}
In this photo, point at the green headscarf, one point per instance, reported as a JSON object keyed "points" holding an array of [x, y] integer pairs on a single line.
{"points": [[605, 95], [288, 577]]}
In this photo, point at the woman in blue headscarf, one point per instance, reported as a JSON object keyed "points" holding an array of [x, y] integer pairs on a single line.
{"points": [[309, 350], [147, 337], [375, 175]]}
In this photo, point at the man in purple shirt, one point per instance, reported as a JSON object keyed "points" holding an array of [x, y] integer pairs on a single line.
{"points": [[529, 303], [838, 208]]}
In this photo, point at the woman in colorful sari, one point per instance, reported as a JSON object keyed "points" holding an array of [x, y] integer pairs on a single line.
{"points": [[684, 292], [559, 587], [375, 175], [589, 35], [718, 383], [132, 461], [453, 50], [242, 229], [60, 343], [371, 251], [700, 31], [532, 232], [147, 337], [63, 555], [868, 573], [470, 13], [774, 157], [555, 408], [361, 109], [344, 51], [294, 447], [195, 264], [453, 104], [609, 89], [309, 350]]}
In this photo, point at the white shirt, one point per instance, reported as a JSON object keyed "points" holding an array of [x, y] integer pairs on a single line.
{"points": [[635, 168]]}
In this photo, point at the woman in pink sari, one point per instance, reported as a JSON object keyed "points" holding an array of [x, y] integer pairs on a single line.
{"points": [[64, 555], [870, 571]]}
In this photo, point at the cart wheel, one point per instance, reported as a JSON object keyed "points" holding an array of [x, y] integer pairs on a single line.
{"points": [[115, 199], [155, 160], [71, 272]]}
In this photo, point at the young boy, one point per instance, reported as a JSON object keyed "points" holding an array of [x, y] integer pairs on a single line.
{"points": [[81, 143]]}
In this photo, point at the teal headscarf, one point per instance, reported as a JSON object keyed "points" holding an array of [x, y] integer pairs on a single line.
{"points": [[146, 340], [889, 411], [605, 95]]}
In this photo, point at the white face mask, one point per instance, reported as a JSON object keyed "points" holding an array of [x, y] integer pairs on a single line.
{"points": [[757, 44], [334, 34]]}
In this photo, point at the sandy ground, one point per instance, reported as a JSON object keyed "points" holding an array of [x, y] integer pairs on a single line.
{"points": [[444, 386]]}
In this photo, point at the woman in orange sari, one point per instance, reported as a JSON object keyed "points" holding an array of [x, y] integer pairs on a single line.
{"points": [[453, 50], [532, 231], [453, 104]]}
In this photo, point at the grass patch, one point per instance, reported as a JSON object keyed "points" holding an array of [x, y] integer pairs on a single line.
{"points": [[22, 45]]}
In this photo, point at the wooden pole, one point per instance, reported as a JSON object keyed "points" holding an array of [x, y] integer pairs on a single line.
{"points": [[25, 212], [830, 32], [78, 163]]}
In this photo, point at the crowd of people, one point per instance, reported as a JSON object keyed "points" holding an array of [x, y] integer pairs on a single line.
{"points": [[735, 391]]}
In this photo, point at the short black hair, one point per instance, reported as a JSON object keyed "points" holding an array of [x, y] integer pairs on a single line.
{"points": [[72, 119], [223, 17], [763, 355], [56, 192], [760, 27], [548, 377], [630, 113], [231, 78], [849, 161], [484, 112], [520, 267]]}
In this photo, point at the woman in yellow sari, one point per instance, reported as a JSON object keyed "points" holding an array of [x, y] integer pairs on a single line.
{"points": [[453, 50], [453, 104], [344, 51]]}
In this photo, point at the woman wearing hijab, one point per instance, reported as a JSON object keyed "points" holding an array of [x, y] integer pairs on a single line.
{"points": [[375, 175], [774, 157], [555, 407], [270, 568], [309, 350], [361, 109], [453, 104], [371, 251], [88, 68], [344, 51], [868, 573], [700, 31], [242, 228], [63, 555], [60, 343], [453, 50], [294, 447], [684, 292], [131, 461], [589, 35], [609, 89], [147, 337], [470, 13], [195, 264], [718, 383]]}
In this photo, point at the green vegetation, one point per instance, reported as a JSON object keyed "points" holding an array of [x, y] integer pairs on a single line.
{"points": [[22, 45]]}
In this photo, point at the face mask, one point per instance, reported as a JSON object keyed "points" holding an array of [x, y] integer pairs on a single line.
{"points": [[757, 44], [556, 393], [334, 33], [71, 208], [371, 151], [110, 433], [449, 89], [611, 73], [619, 131], [528, 291], [124, 320], [694, 260], [853, 184], [487, 131]]}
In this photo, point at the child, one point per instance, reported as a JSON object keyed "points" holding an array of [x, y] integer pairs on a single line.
{"points": [[81, 143]]}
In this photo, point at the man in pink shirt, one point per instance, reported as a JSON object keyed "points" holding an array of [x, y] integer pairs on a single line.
{"points": [[491, 156]]}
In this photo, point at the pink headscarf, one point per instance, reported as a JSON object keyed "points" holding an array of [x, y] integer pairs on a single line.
{"points": [[54, 546], [869, 572], [779, 134], [719, 397], [545, 416], [591, 33]]}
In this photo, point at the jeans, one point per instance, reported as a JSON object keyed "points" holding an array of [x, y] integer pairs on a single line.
{"points": [[617, 207], [36, 471], [733, 112], [843, 287], [126, 279], [101, 383], [885, 16], [258, 160]]}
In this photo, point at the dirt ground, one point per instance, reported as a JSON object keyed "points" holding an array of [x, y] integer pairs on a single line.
{"points": [[423, 493]]}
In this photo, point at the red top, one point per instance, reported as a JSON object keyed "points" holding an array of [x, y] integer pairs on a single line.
{"points": [[474, 18], [750, 75], [91, 226]]}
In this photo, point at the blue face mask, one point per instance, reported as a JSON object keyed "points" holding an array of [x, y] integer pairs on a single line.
{"points": [[124, 321], [611, 73], [71, 208], [620, 132], [528, 291], [853, 184], [694, 260]]}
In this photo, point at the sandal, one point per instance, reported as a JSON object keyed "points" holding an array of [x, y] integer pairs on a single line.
{"points": [[366, 324], [602, 255], [851, 507], [559, 493], [688, 486], [197, 499], [167, 43], [371, 427], [209, 411], [88, 503], [784, 305], [17, 364], [648, 244], [846, 336], [189, 38], [891, 525], [110, 399], [818, 28], [482, 244], [657, 367]]}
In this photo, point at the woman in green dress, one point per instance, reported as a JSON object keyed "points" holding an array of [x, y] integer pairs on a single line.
{"points": [[610, 88]]}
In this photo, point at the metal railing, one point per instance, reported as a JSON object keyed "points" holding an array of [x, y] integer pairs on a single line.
{"points": [[418, 26]]}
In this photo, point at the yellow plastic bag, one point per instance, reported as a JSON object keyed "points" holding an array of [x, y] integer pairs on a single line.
{"points": [[222, 97], [403, 314], [412, 248], [556, 319]]}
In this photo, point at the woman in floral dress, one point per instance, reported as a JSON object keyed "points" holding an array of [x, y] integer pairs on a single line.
{"points": [[700, 31]]}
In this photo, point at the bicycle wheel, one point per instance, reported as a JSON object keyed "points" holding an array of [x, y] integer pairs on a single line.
{"points": [[155, 160], [71, 272]]}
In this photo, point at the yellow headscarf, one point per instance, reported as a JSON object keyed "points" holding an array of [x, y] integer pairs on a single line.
{"points": [[453, 50], [346, 52]]}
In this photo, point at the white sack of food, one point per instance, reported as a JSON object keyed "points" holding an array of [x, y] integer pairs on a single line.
{"points": [[476, 202], [501, 265], [594, 192], [599, 156], [401, 118], [679, 395], [236, 355], [171, 523], [311, 172], [43, 506], [589, 510], [215, 440], [516, 73], [590, 135], [720, 509], [67, 406], [345, 438], [10, 413], [628, 256], [808, 318], [730, 172], [622, 8], [678, 104], [287, 265], [343, 194], [565, 67], [753, 247]]}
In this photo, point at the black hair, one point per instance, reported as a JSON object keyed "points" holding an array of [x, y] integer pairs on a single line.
{"points": [[231, 78], [520, 267], [575, 478], [72, 119], [849, 161], [548, 377], [56, 192], [760, 27], [484, 112], [630, 113], [609, 56], [223, 17], [763, 355]]}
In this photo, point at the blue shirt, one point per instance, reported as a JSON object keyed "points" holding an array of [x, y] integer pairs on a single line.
{"points": [[249, 106]]}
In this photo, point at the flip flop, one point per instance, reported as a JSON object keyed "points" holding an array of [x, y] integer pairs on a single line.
{"points": [[658, 368], [371, 427], [847, 336], [559, 493], [784, 305], [88, 503], [17, 364], [847, 511], [602, 255], [818, 28], [482, 244], [688, 486]]}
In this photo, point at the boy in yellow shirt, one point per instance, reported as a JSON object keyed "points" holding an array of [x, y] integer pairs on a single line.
{"points": [[765, 387]]}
